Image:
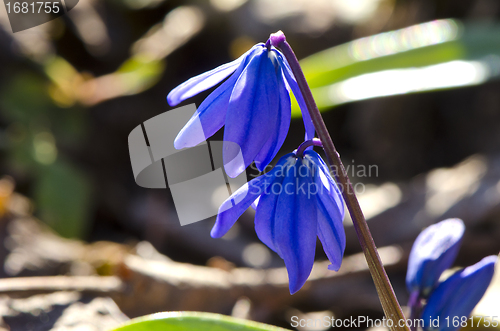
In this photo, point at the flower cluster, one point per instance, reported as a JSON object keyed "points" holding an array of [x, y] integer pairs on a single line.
{"points": [[434, 251], [298, 200]]}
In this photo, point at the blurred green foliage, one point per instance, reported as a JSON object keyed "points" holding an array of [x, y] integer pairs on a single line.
{"points": [[62, 193], [61, 190]]}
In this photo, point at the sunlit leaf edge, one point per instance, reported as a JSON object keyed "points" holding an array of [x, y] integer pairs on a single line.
{"points": [[187, 320]]}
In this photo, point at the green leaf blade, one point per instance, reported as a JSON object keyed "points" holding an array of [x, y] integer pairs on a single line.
{"points": [[427, 49], [187, 321]]}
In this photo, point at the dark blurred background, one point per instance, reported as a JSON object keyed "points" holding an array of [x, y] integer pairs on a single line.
{"points": [[71, 90]]}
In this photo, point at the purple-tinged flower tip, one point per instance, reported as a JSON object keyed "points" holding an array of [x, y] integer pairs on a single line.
{"points": [[456, 297], [253, 104], [277, 38], [298, 202], [434, 251]]}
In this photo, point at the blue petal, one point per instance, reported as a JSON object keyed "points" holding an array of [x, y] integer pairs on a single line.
{"points": [[210, 116], [457, 296], [290, 78], [205, 81], [330, 211], [237, 203], [296, 228], [264, 216], [252, 112], [331, 234], [330, 228], [274, 143], [434, 251]]}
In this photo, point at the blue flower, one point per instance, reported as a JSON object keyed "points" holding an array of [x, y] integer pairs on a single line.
{"points": [[298, 202], [433, 252], [458, 295], [253, 104]]}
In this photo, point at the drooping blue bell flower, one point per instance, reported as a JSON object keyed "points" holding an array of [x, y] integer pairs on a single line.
{"points": [[434, 251], [298, 202], [457, 296], [253, 104]]}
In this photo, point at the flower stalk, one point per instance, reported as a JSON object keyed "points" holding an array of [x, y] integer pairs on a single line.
{"points": [[306, 144], [388, 299]]}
